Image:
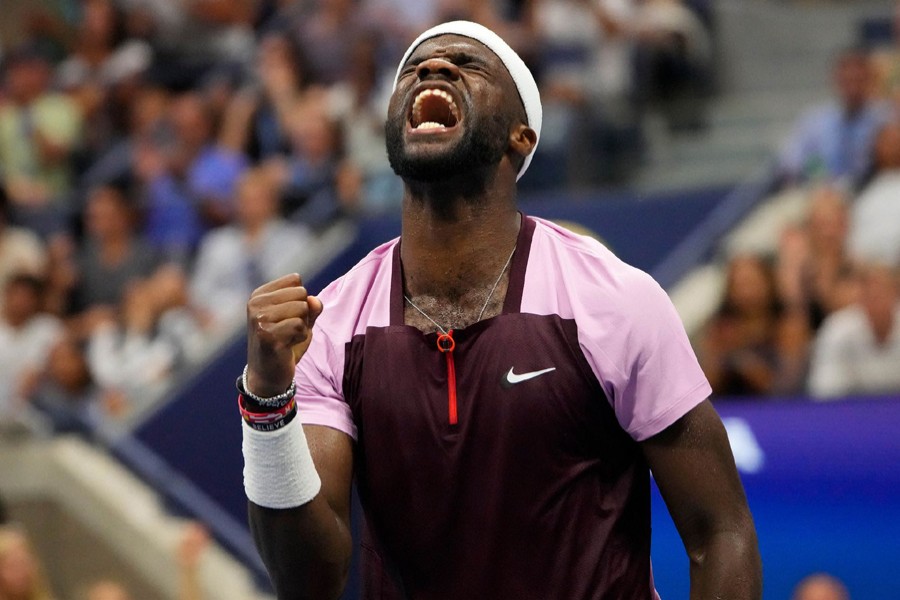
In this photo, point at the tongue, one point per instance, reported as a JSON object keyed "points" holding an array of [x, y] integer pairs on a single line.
{"points": [[435, 110]]}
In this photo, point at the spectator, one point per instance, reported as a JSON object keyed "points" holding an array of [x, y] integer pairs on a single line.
{"points": [[26, 336], [236, 259], [97, 73], [21, 574], [739, 349], [283, 81], [834, 141], [111, 255], [190, 37], [326, 31], [189, 181], [38, 131], [875, 223], [66, 391], [21, 250], [586, 67], [365, 182], [136, 352], [673, 60], [820, 587], [194, 543], [307, 176], [813, 267], [857, 350], [146, 112]]}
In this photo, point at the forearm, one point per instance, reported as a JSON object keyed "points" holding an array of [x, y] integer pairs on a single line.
{"points": [[297, 477], [306, 549], [727, 566]]}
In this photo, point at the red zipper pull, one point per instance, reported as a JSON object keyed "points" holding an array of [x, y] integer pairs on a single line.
{"points": [[446, 344]]}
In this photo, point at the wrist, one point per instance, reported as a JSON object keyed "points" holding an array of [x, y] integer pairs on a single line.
{"points": [[265, 386], [263, 403]]}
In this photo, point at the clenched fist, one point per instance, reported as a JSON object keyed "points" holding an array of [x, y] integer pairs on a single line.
{"points": [[280, 318]]}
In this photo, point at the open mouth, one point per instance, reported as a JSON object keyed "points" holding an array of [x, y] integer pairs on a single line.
{"points": [[434, 109]]}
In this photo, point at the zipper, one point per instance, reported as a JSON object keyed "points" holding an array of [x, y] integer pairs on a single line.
{"points": [[447, 344]]}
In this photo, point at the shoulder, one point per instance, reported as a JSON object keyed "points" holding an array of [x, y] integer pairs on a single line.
{"points": [[289, 232], [583, 266], [370, 266], [361, 297], [843, 325]]}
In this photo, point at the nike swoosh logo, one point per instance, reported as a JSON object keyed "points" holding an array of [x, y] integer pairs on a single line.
{"points": [[512, 378]]}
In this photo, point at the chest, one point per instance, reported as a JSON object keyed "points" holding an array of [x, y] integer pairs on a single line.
{"points": [[522, 391]]}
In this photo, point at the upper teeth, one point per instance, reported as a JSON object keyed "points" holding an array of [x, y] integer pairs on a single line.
{"points": [[417, 106]]}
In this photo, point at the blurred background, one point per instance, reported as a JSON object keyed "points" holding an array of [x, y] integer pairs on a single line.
{"points": [[159, 159]]}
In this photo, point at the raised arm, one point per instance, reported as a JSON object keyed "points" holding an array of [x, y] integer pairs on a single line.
{"points": [[297, 478], [693, 465]]}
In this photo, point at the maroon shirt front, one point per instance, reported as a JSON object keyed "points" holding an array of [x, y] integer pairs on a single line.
{"points": [[536, 492]]}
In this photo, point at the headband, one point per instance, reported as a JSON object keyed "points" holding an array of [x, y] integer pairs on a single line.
{"points": [[524, 80]]}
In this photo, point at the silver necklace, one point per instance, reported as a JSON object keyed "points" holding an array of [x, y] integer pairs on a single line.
{"points": [[486, 301]]}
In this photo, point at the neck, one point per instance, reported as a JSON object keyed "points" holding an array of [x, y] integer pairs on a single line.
{"points": [[456, 239]]}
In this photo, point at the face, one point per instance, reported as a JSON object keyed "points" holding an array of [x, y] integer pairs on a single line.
{"points": [[853, 78], [27, 79], [99, 20], [827, 219], [749, 286], [879, 294], [257, 199], [190, 120], [21, 302], [17, 569], [452, 112], [106, 214]]}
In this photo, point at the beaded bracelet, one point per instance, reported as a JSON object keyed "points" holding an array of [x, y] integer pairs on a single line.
{"points": [[269, 403]]}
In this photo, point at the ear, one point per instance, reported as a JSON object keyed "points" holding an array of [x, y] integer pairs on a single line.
{"points": [[522, 140]]}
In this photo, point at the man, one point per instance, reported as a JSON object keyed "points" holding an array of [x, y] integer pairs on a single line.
{"points": [[835, 140], [497, 385], [857, 349], [39, 129], [235, 259]]}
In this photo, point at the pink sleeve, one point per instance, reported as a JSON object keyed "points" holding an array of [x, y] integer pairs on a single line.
{"points": [[650, 371], [319, 376]]}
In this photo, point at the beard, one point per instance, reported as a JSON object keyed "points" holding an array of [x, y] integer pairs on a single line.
{"points": [[483, 144]]}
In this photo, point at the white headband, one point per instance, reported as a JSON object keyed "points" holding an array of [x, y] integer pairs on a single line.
{"points": [[524, 80]]}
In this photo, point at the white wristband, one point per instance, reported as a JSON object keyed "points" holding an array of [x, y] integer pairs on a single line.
{"points": [[278, 468]]}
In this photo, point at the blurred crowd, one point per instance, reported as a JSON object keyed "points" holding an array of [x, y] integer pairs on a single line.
{"points": [[160, 159], [24, 576], [818, 313]]}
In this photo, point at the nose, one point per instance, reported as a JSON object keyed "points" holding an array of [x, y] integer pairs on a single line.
{"points": [[437, 67]]}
